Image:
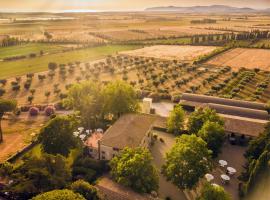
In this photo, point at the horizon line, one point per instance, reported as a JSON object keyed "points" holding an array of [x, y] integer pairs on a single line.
{"points": [[8, 10]]}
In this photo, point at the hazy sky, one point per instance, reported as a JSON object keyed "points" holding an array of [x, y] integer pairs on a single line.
{"points": [[56, 5]]}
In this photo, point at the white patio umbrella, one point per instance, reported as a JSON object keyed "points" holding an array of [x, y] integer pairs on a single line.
{"points": [[82, 136], [76, 133], [216, 185], [80, 129], [100, 130], [231, 170], [225, 177], [223, 163], [209, 177]]}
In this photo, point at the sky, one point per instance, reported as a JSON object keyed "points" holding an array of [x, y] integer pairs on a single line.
{"points": [[118, 5]]}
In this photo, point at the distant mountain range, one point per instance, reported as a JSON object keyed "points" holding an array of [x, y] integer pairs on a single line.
{"points": [[207, 9]]}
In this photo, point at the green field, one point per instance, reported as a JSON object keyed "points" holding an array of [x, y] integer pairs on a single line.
{"points": [[21, 67], [26, 49]]}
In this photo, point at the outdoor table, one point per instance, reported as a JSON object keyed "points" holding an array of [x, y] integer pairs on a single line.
{"points": [[209, 177], [231, 170], [225, 178], [222, 163]]}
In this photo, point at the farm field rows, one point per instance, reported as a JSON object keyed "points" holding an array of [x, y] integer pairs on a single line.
{"points": [[159, 79], [16, 68], [181, 53], [240, 57]]}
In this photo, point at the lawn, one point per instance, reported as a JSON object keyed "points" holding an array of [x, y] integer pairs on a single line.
{"points": [[26, 49], [21, 67]]}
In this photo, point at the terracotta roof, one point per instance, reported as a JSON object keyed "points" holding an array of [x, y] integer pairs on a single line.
{"points": [[242, 125], [217, 100], [129, 130], [114, 191], [239, 111]]}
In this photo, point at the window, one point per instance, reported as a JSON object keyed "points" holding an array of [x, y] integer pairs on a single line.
{"points": [[103, 157], [91, 150], [103, 152]]}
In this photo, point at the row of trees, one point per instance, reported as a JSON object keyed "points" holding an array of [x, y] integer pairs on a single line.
{"points": [[258, 157], [9, 41], [252, 35]]}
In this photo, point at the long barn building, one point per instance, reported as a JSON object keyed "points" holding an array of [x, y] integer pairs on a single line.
{"points": [[240, 117]]}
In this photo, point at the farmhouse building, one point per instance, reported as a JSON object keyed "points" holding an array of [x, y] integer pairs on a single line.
{"points": [[240, 117], [131, 130]]}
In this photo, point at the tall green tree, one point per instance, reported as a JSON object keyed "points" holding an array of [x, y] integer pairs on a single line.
{"points": [[120, 98], [5, 106], [133, 168], [39, 174], [175, 122], [59, 195], [187, 161], [200, 116], [214, 192], [213, 134], [87, 98], [57, 136]]}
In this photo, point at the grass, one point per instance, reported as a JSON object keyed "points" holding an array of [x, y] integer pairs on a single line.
{"points": [[26, 49], [22, 67], [36, 151]]}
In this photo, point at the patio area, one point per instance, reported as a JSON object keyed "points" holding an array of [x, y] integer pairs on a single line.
{"points": [[233, 155], [166, 189]]}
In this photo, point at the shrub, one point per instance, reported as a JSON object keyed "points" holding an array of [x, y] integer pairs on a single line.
{"points": [[32, 91], [16, 87], [41, 77], [27, 85], [2, 92], [88, 191], [49, 110], [30, 99], [33, 111], [3, 81], [52, 66]]}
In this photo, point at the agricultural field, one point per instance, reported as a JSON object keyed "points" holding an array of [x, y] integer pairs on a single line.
{"points": [[27, 49], [17, 137], [95, 28], [38, 64], [240, 57], [181, 53]]}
